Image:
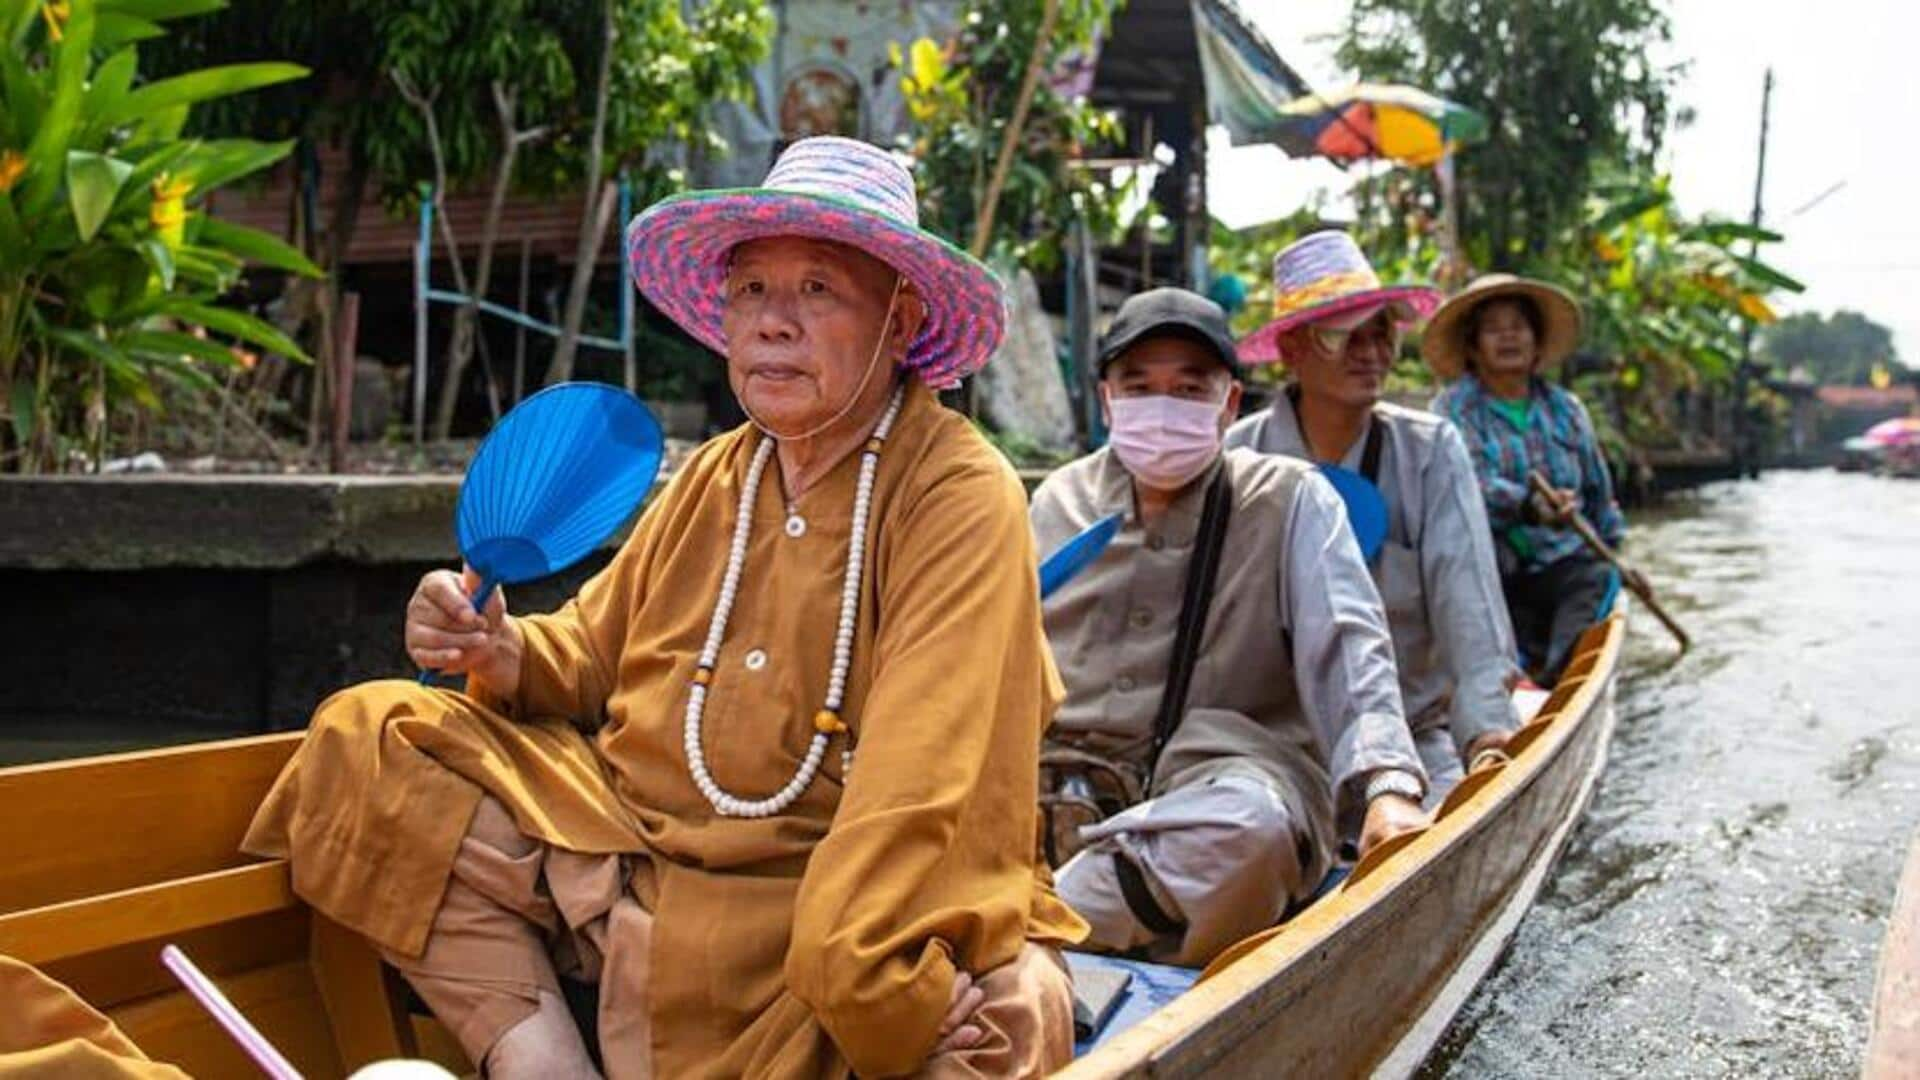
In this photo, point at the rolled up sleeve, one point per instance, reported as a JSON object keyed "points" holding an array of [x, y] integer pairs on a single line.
{"points": [[1464, 600], [1342, 651]]}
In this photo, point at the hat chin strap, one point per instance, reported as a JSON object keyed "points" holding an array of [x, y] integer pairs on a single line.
{"points": [[873, 363]]}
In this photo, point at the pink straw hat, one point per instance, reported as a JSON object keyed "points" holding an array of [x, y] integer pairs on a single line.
{"points": [[825, 188], [1323, 276]]}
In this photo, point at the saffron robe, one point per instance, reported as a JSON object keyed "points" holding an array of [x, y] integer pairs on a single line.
{"points": [[821, 939], [46, 1030]]}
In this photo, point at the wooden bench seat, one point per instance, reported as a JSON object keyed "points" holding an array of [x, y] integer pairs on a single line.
{"points": [[104, 860]]}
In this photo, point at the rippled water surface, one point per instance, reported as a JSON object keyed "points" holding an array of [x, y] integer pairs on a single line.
{"points": [[1719, 911]]}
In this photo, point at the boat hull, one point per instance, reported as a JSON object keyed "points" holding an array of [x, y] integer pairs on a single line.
{"points": [[1366, 981], [113, 857]]}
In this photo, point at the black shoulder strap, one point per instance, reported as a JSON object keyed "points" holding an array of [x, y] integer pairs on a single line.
{"points": [[1370, 456], [1203, 568]]}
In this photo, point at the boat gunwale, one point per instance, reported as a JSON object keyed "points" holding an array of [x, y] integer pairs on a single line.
{"points": [[1237, 995]]}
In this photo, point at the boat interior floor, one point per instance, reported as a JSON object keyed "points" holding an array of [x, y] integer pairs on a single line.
{"points": [[1111, 994]]}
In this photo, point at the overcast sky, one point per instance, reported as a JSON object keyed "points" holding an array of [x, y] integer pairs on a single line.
{"points": [[1846, 101]]}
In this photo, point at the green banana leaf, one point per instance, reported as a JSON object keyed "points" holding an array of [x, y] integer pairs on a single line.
{"points": [[1728, 232], [114, 30], [47, 153], [204, 85], [172, 344], [234, 324], [254, 246], [1767, 275], [221, 161], [161, 10], [93, 182]]}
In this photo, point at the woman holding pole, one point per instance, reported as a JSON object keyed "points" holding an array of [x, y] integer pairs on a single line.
{"points": [[1496, 338]]}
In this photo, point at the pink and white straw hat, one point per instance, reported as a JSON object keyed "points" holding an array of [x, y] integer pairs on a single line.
{"points": [[825, 188], [1323, 277]]}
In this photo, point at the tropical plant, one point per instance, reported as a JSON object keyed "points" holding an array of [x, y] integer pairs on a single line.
{"points": [[670, 61], [1568, 87], [1665, 292], [996, 133], [1667, 299], [109, 266], [518, 94]]}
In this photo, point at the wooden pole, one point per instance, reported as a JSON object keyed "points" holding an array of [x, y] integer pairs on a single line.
{"points": [[520, 332], [1632, 580], [1742, 451], [983, 222], [1454, 273], [422, 267], [346, 350]]}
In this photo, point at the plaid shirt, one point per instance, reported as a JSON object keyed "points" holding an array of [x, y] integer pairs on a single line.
{"points": [[1559, 441]]}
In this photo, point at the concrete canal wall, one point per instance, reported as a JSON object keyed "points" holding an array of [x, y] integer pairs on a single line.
{"points": [[137, 611]]}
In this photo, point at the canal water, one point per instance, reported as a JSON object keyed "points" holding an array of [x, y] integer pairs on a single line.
{"points": [[1719, 911]]}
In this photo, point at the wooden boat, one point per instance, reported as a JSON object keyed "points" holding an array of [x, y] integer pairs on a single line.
{"points": [[109, 858], [1893, 1042], [1366, 981]]}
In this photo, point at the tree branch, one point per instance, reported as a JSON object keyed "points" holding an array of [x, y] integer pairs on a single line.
{"points": [[596, 209], [983, 224]]}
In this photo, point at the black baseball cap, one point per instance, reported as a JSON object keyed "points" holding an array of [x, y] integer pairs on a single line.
{"points": [[1171, 311]]}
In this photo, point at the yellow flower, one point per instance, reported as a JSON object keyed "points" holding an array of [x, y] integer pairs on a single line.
{"points": [[1756, 309], [1605, 248], [1718, 286], [169, 213], [13, 165], [56, 12]]}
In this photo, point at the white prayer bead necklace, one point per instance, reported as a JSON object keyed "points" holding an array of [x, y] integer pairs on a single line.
{"points": [[827, 722]]}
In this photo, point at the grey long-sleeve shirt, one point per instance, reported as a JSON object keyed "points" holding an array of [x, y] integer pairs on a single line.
{"points": [[1295, 640], [1436, 572]]}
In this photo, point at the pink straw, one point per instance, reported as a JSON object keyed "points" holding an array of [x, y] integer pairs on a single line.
{"points": [[255, 1044]]}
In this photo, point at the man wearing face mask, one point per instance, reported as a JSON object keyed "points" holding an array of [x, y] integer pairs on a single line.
{"points": [[1231, 705], [1452, 642]]}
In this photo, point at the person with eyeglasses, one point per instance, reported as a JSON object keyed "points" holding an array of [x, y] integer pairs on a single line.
{"points": [[1231, 710], [1337, 329]]}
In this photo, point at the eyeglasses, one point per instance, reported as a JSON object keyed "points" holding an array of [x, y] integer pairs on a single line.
{"points": [[1333, 340]]}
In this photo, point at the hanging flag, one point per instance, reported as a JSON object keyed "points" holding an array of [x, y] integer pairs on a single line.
{"points": [[1248, 84]]}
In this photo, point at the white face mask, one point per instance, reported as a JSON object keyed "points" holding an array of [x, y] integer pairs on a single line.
{"points": [[1165, 442]]}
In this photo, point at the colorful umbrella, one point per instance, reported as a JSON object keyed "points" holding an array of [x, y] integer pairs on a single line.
{"points": [[1899, 431], [1369, 121]]}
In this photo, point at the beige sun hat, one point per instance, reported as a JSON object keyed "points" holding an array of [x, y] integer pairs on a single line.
{"points": [[1445, 344]]}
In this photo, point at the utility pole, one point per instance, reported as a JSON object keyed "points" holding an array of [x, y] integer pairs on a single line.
{"points": [[1744, 457]]}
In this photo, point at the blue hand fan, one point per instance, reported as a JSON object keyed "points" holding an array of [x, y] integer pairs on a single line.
{"points": [[1077, 554], [553, 480], [1366, 507]]}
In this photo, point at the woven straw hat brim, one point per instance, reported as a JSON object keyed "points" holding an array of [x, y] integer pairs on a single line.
{"points": [[677, 253], [1263, 345], [1444, 345]]}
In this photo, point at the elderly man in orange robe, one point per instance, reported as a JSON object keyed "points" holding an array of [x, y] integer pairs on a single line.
{"points": [[769, 780]]}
